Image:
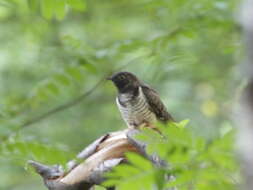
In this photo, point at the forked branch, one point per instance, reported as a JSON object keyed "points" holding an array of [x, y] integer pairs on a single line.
{"points": [[100, 156]]}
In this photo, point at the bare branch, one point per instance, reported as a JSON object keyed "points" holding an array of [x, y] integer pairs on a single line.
{"points": [[63, 106], [101, 156], [107, 152]]}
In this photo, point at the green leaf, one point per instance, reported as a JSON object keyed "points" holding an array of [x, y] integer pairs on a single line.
{"points": [[60, 9], [74, 72], [62, 79], [124, 171], [139, 161], [17, 148], [138, 174], [33, 4], [87, 65], [47, 8], [78, 5], [72, 42], [182, 124], [52, 88], [184, 177]]}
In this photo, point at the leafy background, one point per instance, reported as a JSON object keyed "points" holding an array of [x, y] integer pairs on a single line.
{"points": [[54, 51]]}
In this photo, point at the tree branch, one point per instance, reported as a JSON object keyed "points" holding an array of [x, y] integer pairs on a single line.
{"points": [[63, 106], [101, 156]]}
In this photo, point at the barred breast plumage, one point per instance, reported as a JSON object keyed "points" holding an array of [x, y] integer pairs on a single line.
{"points": [[135, 109]]}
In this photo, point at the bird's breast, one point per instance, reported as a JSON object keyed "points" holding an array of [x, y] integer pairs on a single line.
{"points": [[135, 110]]}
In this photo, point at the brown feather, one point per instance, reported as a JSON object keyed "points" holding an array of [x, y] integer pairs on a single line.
{"points": [[155, 104]]}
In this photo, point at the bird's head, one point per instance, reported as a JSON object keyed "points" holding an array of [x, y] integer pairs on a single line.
{"points": [[125, 81]]}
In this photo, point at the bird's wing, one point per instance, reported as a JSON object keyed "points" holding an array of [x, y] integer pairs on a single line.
{"points": [[155, 104]]}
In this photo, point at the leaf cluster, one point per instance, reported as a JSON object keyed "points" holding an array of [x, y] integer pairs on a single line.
{"points": [[193, 162]]}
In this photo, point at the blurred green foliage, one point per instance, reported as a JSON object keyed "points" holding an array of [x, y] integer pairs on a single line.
{"points": [[193, 162], [53, 51]]}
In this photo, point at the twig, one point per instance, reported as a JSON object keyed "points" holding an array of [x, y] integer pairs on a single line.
{"points": [[63, 106]]}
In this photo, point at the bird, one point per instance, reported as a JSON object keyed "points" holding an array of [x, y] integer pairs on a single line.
{"points": [[139, 104]]}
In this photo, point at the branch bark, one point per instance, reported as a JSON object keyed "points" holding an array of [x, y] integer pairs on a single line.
{"points": [[100, 156]]}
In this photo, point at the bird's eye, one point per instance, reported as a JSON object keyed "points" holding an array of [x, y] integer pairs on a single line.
{"points": [[121, 77]]}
